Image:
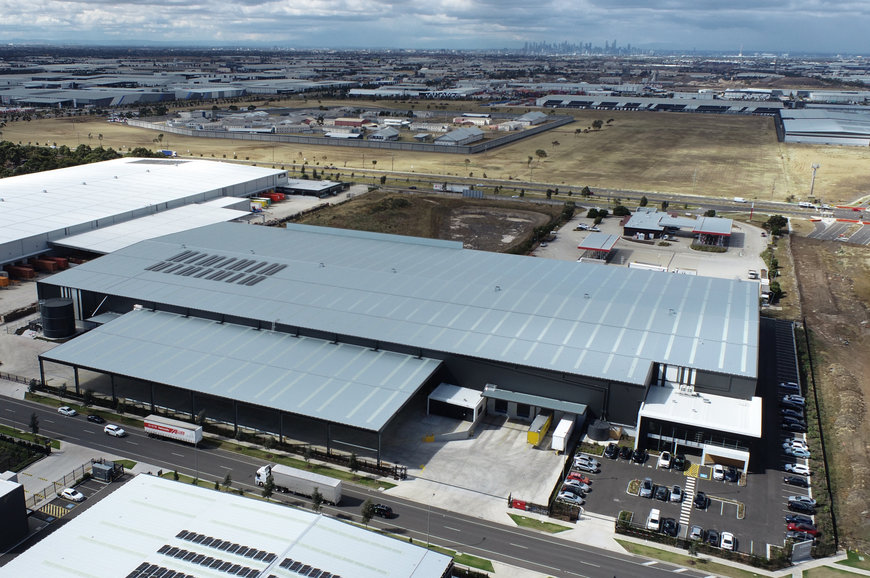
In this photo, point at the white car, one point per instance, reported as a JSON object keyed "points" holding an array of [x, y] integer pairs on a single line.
{"points": [[114, 430], [799, 469], [727, 541], [795, 443], [571, 498], [72, 495], [665, 460], [67, 410], [676, 494], [718, 472], [654, 521]]}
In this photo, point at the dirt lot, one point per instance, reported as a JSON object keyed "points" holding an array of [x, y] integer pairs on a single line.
{"points": [[719, 155], [834, 283], [479, 224]]}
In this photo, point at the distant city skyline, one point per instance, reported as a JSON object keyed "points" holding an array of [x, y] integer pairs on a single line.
{"points": [[800, 26]]}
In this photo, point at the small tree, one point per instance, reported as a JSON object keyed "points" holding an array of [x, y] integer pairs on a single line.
{"points": [[307, 452], [228, 481], [383, 179], [621, 211], [316, 500], [643, 201], [775, 290], [586, 192], [88, 397], [710, 213], [541, 153], [776, 224], [34, 423], [665, 205], [175, 475], [268, 487], [367, 511], [592, 213], [217, 485], [353, 463], [597, 124], [602, 213]]}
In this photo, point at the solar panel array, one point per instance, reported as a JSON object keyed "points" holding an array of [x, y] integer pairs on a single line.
{"points": [[197, 264], [146, 570], [303, 569]]}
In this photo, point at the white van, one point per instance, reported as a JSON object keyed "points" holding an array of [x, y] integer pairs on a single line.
{"points": [[806, 205], [654, 521]]}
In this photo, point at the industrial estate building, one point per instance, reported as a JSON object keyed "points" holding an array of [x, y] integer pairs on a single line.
{"points": [[100, 207], [310, 331], [156, 527]]}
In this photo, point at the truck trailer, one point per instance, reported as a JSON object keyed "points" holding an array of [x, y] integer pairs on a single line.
{"points": [[163, 427], [287, 479]]}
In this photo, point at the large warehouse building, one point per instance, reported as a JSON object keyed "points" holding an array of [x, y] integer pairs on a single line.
{"points": [[100, 207], [337, 331]]}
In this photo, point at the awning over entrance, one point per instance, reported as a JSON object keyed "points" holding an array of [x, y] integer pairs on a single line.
{"points": [[492, 391]]}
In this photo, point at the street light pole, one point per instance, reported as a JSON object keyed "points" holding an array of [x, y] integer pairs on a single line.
{"points": [[815, 167]]}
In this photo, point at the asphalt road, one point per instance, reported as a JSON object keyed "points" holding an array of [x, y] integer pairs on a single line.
{"points": [[531, 550]]}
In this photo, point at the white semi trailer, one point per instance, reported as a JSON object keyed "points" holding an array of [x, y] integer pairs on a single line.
{"points": [[159, 426], [300, 482]]}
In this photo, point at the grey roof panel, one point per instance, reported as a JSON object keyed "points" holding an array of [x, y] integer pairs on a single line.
{"points": [[452, 300], [341, 383]]}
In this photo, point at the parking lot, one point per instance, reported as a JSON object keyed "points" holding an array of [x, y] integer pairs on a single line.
{"points": [[831, 230], [762, 494]]}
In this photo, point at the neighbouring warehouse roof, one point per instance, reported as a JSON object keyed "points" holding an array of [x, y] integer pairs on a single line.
{"points": [[337, 382], [148, 522], [39, 208], [582, 319]]}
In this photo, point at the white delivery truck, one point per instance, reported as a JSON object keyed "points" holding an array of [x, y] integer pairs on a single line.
{"points": [[163, 427], [562, 433], [300, 482]]}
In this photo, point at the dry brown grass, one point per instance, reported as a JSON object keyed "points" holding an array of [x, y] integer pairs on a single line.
{"points": [[715, 155]]}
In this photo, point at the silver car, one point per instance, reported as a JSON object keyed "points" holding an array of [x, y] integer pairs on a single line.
{"points": [[646, 488]]}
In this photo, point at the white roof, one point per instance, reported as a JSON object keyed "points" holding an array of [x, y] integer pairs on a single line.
{"points": [[456, 395], [109, 239], [141, 521], [704, 410]]}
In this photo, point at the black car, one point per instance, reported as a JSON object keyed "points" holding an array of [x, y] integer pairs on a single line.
{"points": [[96, 419], [625, 452], [701, 502], [382, 510], [794, 427], [798, 519], [680, 462], [713, 538], [662, 493], [670, 527], [639, 456], [799, 481], [611, 451], [798, 536], [789, 412], [787, 404], [731, 474], [802, 507]]}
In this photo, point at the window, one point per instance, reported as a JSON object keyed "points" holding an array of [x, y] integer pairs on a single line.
{"points": [[523, 410], [501, 406]]}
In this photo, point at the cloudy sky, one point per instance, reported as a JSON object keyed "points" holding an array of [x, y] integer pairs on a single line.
{"points": [[829, 26]]}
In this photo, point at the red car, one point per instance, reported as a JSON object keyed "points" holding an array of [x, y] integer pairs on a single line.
{"points": [[805, 528], [579, 477]]}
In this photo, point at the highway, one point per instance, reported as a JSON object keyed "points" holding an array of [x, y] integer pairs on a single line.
{"points": [[535, 551]]}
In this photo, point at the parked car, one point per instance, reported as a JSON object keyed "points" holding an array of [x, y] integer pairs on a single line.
{"points": [[587, 460], [799, 469], [713, 538], [664, 460], [662, 493], [639, 456], [795, 413], [802, 507], [790, 387], [95, 418], [571, 498], [577, 484], [794, 426], [680, 462], [731, 474], [573, 490], [611, 451], [595, 229], [806, 528], [114, 430], [791, 405], [67, 411], [793, 419], [646, 488], [587, 467], [670, 527], [798, 536], [795, 442], [802, 499], [653, 521], [796, 452], [727, 541], [579, 477], [798, 481], [581, 227], [701, 501], [697, 533], [72, 495], [383, 510], [625, 452], [798, 519], [676, 494], [794, 398], [718, 472]]}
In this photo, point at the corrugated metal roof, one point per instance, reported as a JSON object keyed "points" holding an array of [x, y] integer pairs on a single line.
{"points": [[713, 226], [582, 319], [110, 239], [598, 242], [336, 382], [157, 512], [492, 391]]}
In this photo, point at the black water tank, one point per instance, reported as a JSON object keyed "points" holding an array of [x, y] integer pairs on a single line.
{"points": [[58, 318], [599, 430]]}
